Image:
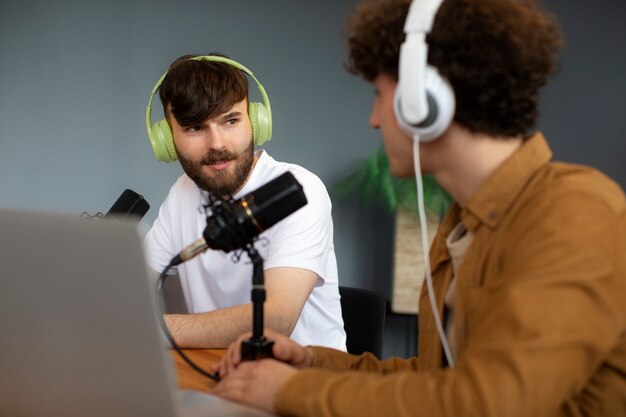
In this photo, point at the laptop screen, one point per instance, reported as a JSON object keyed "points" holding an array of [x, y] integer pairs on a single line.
{"points": [[77, 320]]}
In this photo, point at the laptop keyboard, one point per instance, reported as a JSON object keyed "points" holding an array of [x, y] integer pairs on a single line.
{"points": [[200, 404]]}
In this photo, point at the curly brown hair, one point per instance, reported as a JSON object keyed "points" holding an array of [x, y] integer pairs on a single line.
{"points": [[496, 54], [195, 90]]}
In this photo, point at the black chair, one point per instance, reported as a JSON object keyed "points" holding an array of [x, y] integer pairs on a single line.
{"points": [[363, 314]]}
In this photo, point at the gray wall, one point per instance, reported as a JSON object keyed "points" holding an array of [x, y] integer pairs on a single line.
{"points": [[75, 79]]}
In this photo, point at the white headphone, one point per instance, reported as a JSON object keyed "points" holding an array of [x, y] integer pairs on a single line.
{"points": [[424, 106], [424, 101]]}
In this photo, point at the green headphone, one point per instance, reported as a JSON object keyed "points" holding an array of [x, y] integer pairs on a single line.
{"points": [[260, 115]]}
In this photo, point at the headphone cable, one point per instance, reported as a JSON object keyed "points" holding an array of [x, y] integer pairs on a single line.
{"points": [[426, 247]]}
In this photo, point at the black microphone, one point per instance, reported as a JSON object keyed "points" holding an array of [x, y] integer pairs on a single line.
{"points": [[129, 204], [236, 223]]}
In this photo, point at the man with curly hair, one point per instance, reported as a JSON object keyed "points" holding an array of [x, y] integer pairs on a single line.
{"points": [[528, 265]]}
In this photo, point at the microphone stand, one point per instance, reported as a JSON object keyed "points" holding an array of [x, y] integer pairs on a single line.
{"points": [[258, 346]]}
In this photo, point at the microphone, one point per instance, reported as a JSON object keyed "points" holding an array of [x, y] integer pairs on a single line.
{"points": [[129, 204], [234, 224]]}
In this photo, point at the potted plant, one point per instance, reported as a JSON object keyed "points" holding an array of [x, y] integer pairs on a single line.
{"points": [[373, 181]]}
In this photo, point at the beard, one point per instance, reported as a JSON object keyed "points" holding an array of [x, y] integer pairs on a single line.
{"points": [[225, 182]]}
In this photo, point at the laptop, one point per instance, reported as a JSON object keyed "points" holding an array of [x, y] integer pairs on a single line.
{"points": [[78, 324]]}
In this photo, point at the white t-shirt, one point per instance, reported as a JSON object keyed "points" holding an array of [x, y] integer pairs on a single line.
{"points": [[303, 239]]}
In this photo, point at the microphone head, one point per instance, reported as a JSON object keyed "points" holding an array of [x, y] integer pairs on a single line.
{"points": [[274, 201], [129, 204], [234, 224]]}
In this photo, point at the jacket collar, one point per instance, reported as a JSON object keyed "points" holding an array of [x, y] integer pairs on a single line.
{"points": [[501, 188]]}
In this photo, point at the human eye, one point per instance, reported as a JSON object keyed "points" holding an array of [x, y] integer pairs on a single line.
{"points": [[193, 128], [231, 118]]}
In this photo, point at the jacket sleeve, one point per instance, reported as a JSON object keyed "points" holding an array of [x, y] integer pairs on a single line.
{"points": [[336, 360], [533, 342]]}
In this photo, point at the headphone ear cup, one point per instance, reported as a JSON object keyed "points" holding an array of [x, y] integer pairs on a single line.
{"points": [[441, 106], [261, 123], [162, 141]]}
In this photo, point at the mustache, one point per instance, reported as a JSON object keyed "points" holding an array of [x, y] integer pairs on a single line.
{"points": [[218, 156]]}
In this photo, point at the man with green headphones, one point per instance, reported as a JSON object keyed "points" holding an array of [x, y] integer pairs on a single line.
{"points": [[212, 129]]}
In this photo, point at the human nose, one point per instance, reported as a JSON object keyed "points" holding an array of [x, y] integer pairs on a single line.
{"points": [[214, 138], [373, 120]]}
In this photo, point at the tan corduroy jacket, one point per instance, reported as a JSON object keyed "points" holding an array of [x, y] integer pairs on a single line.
{"points": [[540, 313]]}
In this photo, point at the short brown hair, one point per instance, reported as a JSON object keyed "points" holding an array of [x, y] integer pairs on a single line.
{"points": [[496, 54], [195, 90]]}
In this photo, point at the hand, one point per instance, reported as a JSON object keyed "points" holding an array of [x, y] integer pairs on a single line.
{"points": [[285, 350], [255, 383]]}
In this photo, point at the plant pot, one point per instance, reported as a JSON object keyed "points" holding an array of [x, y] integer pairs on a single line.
{"points": [[408, 260]]}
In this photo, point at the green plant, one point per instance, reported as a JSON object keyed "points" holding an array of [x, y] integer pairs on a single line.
{"points": [[371, 177]]}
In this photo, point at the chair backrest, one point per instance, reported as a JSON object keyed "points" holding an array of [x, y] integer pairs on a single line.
{"points": [[363, 314]]}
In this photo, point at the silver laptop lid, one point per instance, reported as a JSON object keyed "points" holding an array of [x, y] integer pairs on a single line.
{"points": [[78, 334]]}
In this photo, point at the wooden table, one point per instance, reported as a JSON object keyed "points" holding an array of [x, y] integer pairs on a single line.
{"points": [[204, 358]]}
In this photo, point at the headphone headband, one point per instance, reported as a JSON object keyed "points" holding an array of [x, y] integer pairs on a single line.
{"points": [[424, 102], [260, 114], [414, 58]]}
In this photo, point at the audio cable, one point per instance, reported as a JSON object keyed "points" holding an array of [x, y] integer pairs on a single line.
{"points": [[426, 246], [215, 376]]}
